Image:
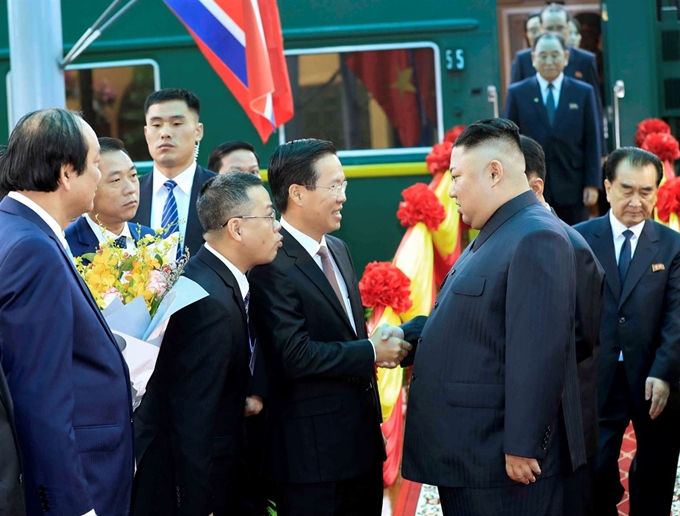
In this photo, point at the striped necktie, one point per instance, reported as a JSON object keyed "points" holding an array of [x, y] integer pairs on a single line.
{"points": [[170, 217]]}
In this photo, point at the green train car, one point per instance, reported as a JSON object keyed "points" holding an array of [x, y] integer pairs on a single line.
{"points": [[383, 79]]}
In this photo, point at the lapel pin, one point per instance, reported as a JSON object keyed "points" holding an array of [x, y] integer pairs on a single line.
{"points": [[536, 100], [656, 267], [578, 74], [573, 106]]}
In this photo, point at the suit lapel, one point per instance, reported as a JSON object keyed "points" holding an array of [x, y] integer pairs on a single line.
{"points": [[348, 275], [86, 236], [539, 106], [603, 247], [562, 106], [143, 215], [214, 263], [645, 251]]}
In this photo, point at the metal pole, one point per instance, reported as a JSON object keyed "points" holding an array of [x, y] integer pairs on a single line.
{"points": [[492, 98], [619, 93], [36, 50]]}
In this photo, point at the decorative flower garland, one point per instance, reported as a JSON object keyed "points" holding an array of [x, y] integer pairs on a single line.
{"points": [[439, 159], [420, 204], [664, 145], [383, 285], [650, 126], [668, 199]]}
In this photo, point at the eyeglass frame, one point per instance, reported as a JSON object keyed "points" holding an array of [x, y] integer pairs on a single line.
{"points": [[271, 217], [336, 190]]}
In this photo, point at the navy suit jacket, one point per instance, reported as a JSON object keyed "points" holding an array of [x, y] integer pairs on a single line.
{"points": [[11, 490], [496, 357], [193, 239], [68, 379], [571, 144], [82, 240], [642, 316]]}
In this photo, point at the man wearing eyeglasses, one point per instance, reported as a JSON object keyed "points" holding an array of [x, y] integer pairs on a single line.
{"points": [[326, 449], [190, 425]]}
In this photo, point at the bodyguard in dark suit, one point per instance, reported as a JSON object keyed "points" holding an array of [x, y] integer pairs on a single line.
{"points": [[168, 194], [189, 426], [115, 203], [560, 114], [11, 490], [640, 353], [326, 449], [66, 375], [494, 418], [578, 488]]}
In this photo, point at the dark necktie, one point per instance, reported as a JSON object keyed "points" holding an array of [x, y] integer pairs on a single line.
{"points": [[170, 217], [251, 341], [328, 270], [625, 256], [120, 242], [550, 103]]}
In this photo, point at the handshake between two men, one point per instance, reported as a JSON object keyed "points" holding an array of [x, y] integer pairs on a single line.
{"points": [[390, 346]]}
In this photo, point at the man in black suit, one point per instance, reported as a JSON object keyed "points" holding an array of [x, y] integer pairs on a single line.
{"points": [[494, 417], [168, 194], [326, 448], [189, 426], [115, 203], [640, 352], [560, 114], [11, 490], [589, 287]]}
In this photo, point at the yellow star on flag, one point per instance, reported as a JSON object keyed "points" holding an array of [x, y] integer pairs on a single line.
{"points": [[404, 82]]}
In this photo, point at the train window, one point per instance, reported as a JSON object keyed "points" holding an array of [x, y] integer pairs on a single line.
{"points": [[367, 100], [111, 98]]}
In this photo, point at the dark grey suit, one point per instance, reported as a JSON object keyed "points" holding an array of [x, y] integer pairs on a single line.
{"points": [[11, 491]]}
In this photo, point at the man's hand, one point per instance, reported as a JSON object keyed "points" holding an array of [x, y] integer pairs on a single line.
{"points": [[390, 348], [521, 469], [658, 391], [590, 195], [253, 405]]}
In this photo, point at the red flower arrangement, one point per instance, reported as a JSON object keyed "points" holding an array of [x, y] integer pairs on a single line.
{"points": [[664, 145], [668, 199], [439, 159], [649, 126], [420, 204], [453, 133], [383, 284]]}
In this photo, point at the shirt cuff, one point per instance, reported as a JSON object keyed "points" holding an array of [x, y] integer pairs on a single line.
{"points": [[90, 513], [375, 356]]}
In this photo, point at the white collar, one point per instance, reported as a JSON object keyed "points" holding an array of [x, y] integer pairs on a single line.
{"points": [[103, 234], [40, 212], [618, 228], [184, 179], [310, 245], [241, 279], [557, 83]]}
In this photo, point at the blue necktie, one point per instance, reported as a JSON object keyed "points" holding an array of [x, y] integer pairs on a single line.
{"points": [[251, 341], [625, 256], [550, 103], [120, 242], [170, 217]]}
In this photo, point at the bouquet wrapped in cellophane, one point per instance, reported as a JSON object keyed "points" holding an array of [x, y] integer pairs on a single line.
{"points": [[137, 293]]}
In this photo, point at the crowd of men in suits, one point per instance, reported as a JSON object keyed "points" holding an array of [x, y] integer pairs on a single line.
{"points": [[545, 342]]}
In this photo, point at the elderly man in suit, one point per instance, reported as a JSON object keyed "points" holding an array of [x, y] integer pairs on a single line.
{"points": [[189, 427], [168, 194], [589, 287], [640, 353], [326, 448], [115, 203], [494, 418], [67, 377], [560, 114]]}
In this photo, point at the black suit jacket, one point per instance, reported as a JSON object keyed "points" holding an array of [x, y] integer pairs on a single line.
{"points": [[641, 317], [11, 491], [571, 144], [325, 410], [190, 421], [82, 240], [496, 357], [193, 239], [589, 292]]}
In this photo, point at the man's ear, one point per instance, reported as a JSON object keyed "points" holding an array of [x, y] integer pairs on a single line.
{"points": [[66, 176], [199, 132], [537, 185], [233, 229], [495, 171], [607, 189], [295, 194]]}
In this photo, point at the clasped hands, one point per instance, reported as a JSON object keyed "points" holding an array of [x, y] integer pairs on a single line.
{"points": [[390, 346]]}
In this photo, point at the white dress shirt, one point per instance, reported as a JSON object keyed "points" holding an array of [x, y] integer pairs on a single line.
{"points": [[312, 247], [241, 279], [102, 236], [557, 88], [182, 194]]}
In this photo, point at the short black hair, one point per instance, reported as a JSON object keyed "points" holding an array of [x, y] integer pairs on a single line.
{"points": [[215, 159], [483, 131], [534, 157], [636, 157], [532, 14], [108, 144], [41, 143], [550, 35], [293, 164], [168, 94], [223, 197]]}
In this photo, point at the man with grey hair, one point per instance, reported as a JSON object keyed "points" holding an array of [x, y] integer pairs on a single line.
{"points": [[189, 427]]}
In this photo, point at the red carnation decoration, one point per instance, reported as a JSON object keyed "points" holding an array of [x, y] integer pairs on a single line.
{"points": [[383, 284], [664, 145], [668, 199], [453, 133], [420, 204], [439, 159], [649, 126]]}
